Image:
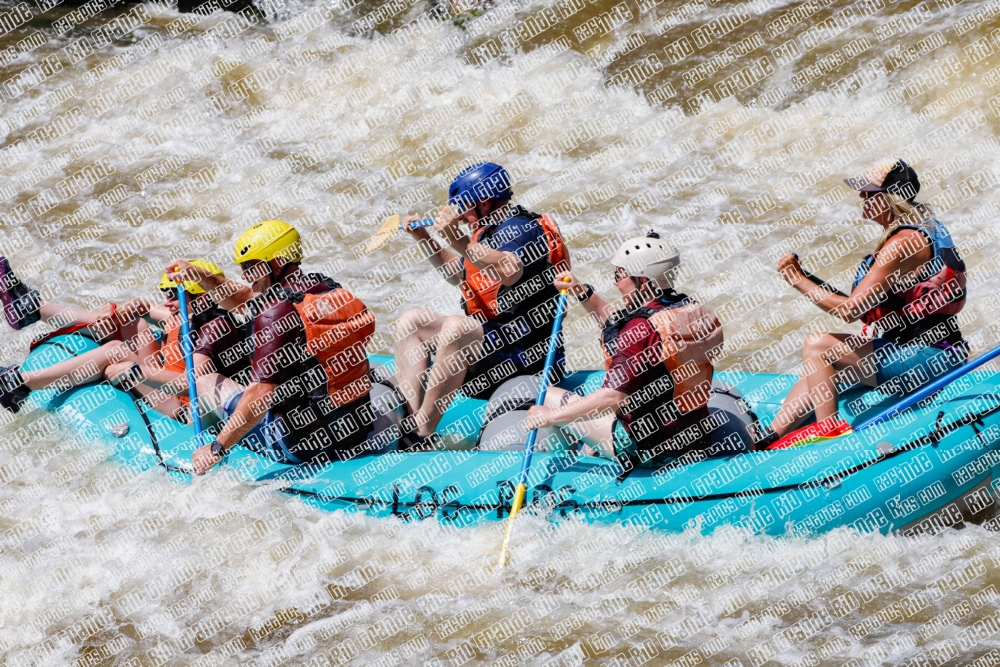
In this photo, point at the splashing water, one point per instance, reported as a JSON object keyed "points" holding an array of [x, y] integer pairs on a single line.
{"points": [[136, 135]]}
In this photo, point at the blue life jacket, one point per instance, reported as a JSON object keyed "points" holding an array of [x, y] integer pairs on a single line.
{"points": [[933, 301]]}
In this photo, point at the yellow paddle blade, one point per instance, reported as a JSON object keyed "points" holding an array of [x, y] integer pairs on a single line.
{"points": [[514, 509], [384, 233]]}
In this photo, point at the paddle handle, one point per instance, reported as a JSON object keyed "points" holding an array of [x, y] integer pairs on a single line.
{"points": [[920, 395], [543, 385], [529, 447], [819, 281], [417, 224], [188, 349]]}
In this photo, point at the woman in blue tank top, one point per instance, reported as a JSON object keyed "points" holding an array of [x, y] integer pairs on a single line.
{"points": [[907, 293]]}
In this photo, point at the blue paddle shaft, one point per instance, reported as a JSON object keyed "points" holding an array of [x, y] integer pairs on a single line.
{"points": [[417, 224], [944, 380], [188, 349], [543, 385]]}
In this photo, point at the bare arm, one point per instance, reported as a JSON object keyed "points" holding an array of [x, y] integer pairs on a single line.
{"points": [[600, 402], [598, 308], [155, 314], [505, 266], [174, 382], [229, 294], [159, 314], [253, 405], [448, 264], [897, 258]]}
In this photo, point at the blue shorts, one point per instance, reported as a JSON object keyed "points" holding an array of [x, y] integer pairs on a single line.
{"points": [[914, 365], [268, 438]]}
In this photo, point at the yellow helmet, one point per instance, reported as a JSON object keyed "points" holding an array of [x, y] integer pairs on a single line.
{"points": [[267, 240], [190, 286]]}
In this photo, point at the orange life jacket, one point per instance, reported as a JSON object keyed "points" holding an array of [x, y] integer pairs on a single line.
{"points": [[338, 326], [691, 338], [173, 353], [480, 289]]}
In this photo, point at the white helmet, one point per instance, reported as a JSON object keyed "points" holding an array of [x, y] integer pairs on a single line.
{"points": [[649, 257]]}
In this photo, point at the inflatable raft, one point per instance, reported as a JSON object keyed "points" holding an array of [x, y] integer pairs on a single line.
{"points": [[929, 467]]}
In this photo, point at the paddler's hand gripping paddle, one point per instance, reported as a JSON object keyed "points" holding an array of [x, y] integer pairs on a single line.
{"points": [[819, 281], [188, 349], [529, 447], [390, 227]]}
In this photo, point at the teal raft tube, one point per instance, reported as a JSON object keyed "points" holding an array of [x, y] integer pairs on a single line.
{"points": [[927, 468]]}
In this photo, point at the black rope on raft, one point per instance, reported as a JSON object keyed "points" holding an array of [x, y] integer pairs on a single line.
{"points": [[940, 430]]}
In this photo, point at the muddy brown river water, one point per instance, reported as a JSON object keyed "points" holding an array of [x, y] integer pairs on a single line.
{"points": [[134, 135]]}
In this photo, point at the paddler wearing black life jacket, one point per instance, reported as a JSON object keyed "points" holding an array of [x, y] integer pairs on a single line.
{"points": [[505, 267], [122, 330], [907, 293], [309, 396], [653, 405]]}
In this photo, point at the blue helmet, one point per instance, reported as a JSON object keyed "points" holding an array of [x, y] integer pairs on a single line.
{"points": [[485, 180]]}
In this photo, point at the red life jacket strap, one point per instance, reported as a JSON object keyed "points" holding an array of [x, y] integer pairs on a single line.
{"points": [[62, 331]]}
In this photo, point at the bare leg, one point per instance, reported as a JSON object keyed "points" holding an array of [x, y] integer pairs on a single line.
{"points": [[62, 316], [596, 433], [139, 337], [824, 355], [88, 367], [415, 334], [120, 375], [794, 409], [459, 345], [117, 372]]}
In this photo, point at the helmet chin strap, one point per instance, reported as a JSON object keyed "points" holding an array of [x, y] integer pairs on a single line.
{"points": [[647, 291]]}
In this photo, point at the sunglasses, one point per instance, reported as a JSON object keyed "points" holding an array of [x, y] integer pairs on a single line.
{"points": [[171, 293], [620, 274]]}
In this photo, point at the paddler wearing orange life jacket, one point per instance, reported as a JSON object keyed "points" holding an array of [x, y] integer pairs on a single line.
{"points": [[659, 348], [907, 293], [124, 337], [308, 399], [219, 345], [504, 267]]}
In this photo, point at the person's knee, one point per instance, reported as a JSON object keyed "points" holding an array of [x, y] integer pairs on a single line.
{"points": [[116, 352], [116, 369], [412, 321], [120, 371], [406, 325], [457, 331], [556, 397], [817, 343]]}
